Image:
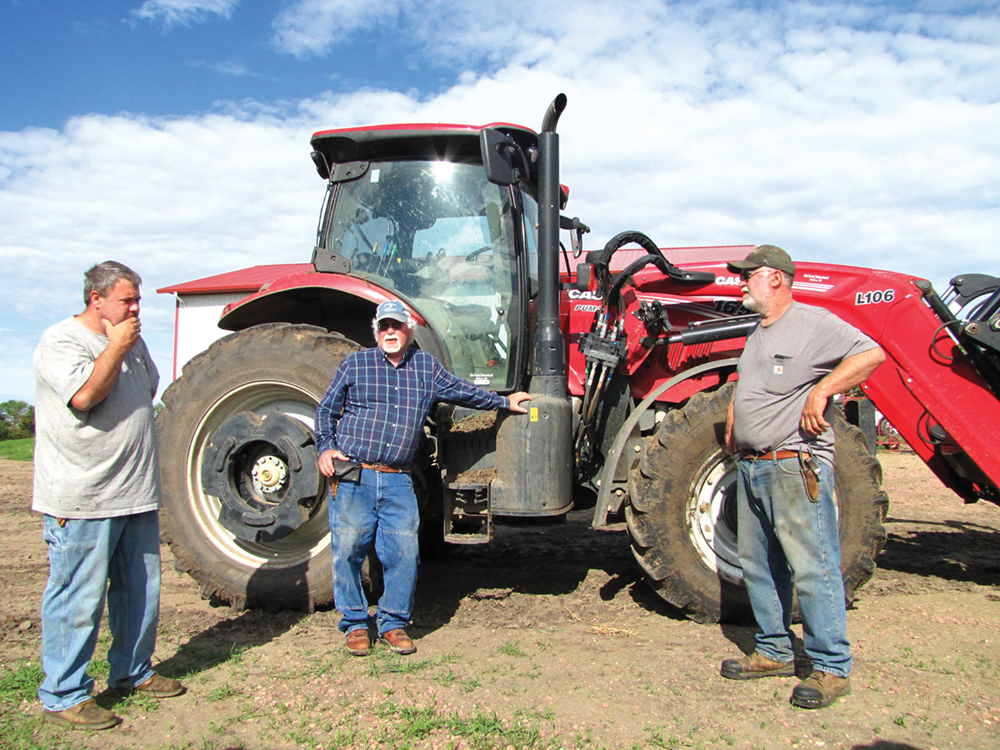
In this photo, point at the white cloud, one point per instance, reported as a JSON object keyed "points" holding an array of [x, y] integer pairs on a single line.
{"points": [[184, 12], [224, 67], [175, 200], [315, 26], [839, 133]]}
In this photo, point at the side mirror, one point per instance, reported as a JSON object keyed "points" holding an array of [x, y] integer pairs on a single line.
{"points": [[503, 159], [579, 229]]}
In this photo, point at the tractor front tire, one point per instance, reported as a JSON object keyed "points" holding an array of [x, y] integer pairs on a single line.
{"points": [[681, 513], [268, 368]]}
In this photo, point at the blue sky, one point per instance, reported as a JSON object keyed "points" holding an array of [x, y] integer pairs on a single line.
{"points": [[173, 135], [64, 58]]}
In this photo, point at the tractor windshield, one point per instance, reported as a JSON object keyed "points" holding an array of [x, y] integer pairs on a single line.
{"points": [[439, 234]]}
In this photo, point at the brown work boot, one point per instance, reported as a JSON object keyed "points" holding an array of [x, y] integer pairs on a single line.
{"points": [[160, 687], [755, 666], [820, 690], [86, 715], [358, 642], [399, 641]]}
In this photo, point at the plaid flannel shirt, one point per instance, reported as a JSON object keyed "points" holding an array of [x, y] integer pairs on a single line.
{"points": [[374, 412]]}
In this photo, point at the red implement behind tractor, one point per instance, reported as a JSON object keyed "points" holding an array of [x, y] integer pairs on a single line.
{"points": [[630, 355]]}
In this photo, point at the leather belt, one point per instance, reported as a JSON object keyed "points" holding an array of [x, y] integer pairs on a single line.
{"points": [[382, 468], [769, 456]]}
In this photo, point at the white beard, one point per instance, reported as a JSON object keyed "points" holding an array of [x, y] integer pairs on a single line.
{"points": [[752, 303], [391, 345]]}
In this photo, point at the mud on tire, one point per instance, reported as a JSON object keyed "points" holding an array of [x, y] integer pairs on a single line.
{"points": [[270, 367], [682, 511]]}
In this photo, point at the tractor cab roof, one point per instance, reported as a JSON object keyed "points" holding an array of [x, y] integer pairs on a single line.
{"points": [[438, 141]]}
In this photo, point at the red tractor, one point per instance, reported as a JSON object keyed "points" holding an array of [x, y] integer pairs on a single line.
{"points": [[630, 355]]}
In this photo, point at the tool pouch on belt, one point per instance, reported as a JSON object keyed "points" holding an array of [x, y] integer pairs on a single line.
{"points": [[810, 475], [347, 471]]}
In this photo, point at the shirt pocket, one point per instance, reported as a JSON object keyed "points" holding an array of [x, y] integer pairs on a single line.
{"points": [[785, 374], [139, 371]]}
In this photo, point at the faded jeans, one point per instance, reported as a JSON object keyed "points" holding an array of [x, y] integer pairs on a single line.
{"points": [[783, 537], [383, 507], [87, 558]]}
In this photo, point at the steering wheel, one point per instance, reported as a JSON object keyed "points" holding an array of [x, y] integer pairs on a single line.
{"points": [[471, 257]]}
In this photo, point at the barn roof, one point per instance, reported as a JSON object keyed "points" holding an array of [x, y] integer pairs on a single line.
{"points": [[244, 280]]}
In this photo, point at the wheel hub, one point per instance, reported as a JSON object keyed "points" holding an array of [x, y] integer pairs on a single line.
{"points": [[263, 470], [269, 473]]}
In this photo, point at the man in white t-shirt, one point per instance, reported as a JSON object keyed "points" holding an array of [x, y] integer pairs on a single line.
{"points": [[97, 482]]}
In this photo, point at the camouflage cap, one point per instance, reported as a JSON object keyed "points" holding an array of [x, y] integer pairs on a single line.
{"points": [[771, 256]]}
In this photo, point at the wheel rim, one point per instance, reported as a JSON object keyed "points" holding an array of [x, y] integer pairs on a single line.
{"points": [[312, 537], [712, 514], [712, 517]]}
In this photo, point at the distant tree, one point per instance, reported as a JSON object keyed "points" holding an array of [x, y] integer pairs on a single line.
{"points": [[17, 420]]}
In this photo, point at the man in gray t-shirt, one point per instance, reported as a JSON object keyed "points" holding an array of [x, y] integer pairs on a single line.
{"points": [[97, 483], [779, 425]]}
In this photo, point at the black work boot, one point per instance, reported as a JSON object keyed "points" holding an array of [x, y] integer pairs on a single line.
{"points": [[820, 690]]}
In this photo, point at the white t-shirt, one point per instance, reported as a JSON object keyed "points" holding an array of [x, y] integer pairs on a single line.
{"points": [[101, 462]]}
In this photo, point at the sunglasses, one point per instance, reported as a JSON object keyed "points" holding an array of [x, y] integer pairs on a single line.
{"points": [[385, 325], [747, 274]]}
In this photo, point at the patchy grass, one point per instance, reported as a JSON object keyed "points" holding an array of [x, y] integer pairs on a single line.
{"points": [[382, 661], [19, 684], [20, 728], [400, 722], [222, 692], [18, 450], [511, 648], [403, 726]]}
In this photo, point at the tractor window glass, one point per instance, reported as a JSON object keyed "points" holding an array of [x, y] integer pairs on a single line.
{"points": [[529, 209], [438, 234]]}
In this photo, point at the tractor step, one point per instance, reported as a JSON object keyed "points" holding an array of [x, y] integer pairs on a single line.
{"points": [[467, 517]]}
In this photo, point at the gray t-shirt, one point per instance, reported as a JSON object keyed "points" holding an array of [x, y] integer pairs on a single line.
{"points": [[101, 462], [779, 367]]}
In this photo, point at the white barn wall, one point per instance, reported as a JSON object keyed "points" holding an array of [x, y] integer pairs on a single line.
{"points": [[197, 325]]}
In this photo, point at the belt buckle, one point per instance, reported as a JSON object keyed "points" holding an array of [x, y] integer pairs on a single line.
{"points": [[386, 469]]}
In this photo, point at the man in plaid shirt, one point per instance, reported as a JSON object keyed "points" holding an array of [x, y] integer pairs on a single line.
{"points": [[373, 413]]}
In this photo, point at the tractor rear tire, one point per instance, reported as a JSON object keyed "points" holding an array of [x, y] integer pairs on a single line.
{"points": [[269, 367], [681, 513]]}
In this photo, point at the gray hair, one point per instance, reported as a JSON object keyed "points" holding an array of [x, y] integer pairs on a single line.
{"points": [[103, 277], [786, 278], [410, 324]]}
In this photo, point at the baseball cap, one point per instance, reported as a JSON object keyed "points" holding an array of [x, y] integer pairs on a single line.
{"points": [[391, 309], [771, 256]]}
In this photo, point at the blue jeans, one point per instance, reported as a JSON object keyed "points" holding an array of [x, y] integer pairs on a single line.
{"points": [[84, 556], [785, 537], [382, 507]]}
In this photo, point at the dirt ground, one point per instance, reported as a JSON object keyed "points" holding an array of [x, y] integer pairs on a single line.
{"points": [[547, 638]]}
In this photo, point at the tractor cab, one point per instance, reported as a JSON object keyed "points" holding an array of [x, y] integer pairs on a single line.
{"points": [[410, 210]]}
